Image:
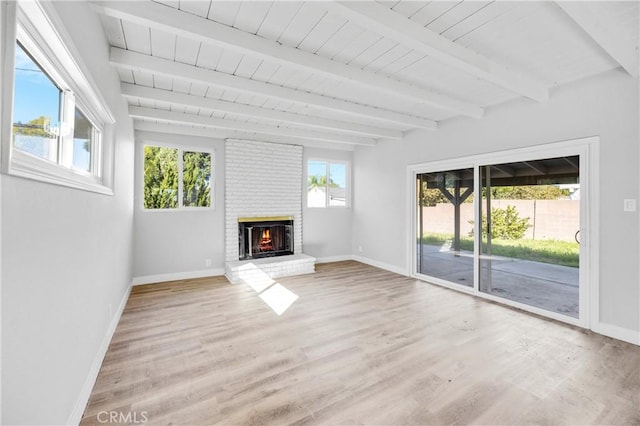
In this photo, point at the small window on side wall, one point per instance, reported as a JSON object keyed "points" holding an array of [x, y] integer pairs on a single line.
{"points": [[58, 117], [36, 108], [175, 178], [327, 184]]}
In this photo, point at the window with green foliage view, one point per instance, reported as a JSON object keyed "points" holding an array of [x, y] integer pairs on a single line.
{"points": [[174, 178]]}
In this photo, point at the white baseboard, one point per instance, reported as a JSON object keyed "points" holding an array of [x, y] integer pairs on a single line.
{"points": [[92, 376], [620, 333], [381, 265], [176, 276], [365, 260], [330, 259]]}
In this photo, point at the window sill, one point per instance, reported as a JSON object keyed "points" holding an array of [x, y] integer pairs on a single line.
{"points": [[178, 209], [29, 167]]}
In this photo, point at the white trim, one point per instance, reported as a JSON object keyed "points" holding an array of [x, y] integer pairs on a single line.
{"points": [[409, 224], [7, 31], [616, 332], [7, 62], [176, 276], [92, 375], [587, 148], [330, 259], [382, 265], [444, 283], [3, 31], [30, 167]]}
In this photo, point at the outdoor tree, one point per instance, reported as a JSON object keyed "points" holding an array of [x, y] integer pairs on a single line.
{"points": [[432, 196], [196, 178], [35, 127], [316, 181], [160, 177]]}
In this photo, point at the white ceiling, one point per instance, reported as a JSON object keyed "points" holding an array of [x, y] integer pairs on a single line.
{"points": [[342, 74]]}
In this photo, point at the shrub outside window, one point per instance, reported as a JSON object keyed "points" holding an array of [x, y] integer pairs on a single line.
{"points": [[175, 178]]}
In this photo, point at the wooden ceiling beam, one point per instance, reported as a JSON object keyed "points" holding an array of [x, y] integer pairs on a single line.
{"points": [[384, 21], [219, 123], [504, 170], [574, 164], [218, 105], [153, 130], [536, 167], [592, 17], [139, 62], [154, 15]]}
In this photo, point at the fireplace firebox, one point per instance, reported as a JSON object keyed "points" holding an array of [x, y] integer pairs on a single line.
{"points": [[265, 236]]}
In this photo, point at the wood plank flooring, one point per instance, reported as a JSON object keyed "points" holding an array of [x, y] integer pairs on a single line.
{"points": [[358, 346]]}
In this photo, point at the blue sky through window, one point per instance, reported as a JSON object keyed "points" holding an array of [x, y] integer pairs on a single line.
{"points": [[319, 168], [35, 94]]}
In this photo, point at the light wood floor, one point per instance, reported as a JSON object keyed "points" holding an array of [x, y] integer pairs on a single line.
{"points": [[359, 346]]}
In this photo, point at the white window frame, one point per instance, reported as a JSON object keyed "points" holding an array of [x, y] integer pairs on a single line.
{"points": [[347, 189], [181, 149], [36, 26], [587, 148]]}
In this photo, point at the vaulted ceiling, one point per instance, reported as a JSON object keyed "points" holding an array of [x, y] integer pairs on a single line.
{"points": [[343, 74]]}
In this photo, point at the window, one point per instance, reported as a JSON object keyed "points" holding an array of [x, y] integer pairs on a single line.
{"points": [[326, 184], [41, 125], [176, 178], [36, 108], [58, 119]]}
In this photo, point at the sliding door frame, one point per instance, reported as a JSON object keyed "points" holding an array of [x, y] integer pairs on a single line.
{"points": [[587, 149]]}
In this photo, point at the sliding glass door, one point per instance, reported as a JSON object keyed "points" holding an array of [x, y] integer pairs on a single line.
{"points": [[530, 248], [445, 213], [507, 230]]}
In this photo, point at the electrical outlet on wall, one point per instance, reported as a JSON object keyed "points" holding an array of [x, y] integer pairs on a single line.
{"points": [[359, 249], [207, 263], [629, 205]]}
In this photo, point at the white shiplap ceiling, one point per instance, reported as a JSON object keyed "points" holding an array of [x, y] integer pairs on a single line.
{"points": [[342, 74]]}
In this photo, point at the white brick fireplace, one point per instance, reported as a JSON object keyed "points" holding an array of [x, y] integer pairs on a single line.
{"points": [[263, 179]]}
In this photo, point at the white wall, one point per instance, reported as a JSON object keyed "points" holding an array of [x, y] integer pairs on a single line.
{"points": [[327, 232], [606, 106], [66, 264], [172, 244]]}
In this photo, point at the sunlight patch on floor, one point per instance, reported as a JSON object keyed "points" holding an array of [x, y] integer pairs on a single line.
{"points": [[278, 297], [275, 295]]}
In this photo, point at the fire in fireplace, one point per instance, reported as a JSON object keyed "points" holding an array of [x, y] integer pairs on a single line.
{"points": [[265, 236]]}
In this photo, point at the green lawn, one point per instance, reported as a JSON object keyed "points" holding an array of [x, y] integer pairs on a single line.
{"points": [[564, 253]]}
